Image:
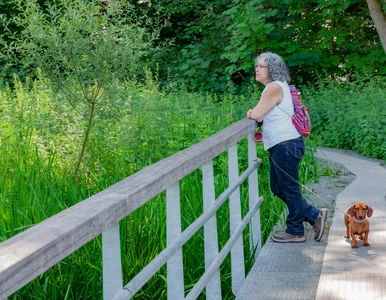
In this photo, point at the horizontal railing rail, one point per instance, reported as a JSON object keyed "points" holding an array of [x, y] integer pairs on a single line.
{"points": [[30, 253]]}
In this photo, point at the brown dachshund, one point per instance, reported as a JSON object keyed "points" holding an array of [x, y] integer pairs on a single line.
{"points": [[358, 224]]}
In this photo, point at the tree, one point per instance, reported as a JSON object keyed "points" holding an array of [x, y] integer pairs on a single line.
{"points": [[199, 30], [379, 18], [82, 46], [249, 31], [217, 40]]}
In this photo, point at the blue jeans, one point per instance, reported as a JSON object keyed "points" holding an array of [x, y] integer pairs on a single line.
{"points": [[284, 161]]}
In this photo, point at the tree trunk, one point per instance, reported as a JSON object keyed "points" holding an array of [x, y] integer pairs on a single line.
{"points": [[379, 19], [86, 137]]}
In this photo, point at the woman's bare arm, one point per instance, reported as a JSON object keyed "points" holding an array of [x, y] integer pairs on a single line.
{"points": [[272, 96]]}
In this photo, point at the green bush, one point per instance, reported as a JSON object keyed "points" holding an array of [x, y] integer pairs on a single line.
{"points": [[71, 43], [350, 115]]}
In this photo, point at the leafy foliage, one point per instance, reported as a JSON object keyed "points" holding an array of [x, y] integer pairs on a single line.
{"points": [[71, 42], [350, 115], [199, 31], [249, 30], [76, 38], [216, 41], [316, 38]]}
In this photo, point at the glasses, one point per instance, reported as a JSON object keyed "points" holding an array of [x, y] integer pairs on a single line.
{"points": [[260, 66]]}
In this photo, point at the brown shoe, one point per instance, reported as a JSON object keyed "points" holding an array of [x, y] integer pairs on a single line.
{"points": [[319, 224]]}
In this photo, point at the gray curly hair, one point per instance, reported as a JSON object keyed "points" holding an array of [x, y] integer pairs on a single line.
{"points": [[277, 70]]}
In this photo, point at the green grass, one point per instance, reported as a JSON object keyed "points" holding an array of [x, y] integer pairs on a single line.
{"points": [[135, 126]]}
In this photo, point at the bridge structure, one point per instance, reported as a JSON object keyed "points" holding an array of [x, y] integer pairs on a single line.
{"points": [[326, 270]]}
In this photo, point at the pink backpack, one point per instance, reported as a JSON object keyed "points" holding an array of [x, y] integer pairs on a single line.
{"points": [[300, 118]]}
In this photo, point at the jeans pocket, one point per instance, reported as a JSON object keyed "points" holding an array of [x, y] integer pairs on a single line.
{"points": [[298, 150]]}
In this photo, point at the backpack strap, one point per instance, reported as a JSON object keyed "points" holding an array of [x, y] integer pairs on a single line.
{"points": [[295, 94]]}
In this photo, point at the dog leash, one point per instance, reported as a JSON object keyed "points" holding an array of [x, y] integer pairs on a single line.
{"points": [[309, 190]]}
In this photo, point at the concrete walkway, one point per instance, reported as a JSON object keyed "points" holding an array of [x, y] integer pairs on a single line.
{"points": [[330, 269]]}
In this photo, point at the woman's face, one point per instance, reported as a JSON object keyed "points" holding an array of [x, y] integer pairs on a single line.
{"points": [[261, 72]]}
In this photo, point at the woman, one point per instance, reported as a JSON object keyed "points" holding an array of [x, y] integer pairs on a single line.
{"points": [[285, 147]]}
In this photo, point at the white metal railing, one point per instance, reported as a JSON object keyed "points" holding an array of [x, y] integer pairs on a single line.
{"points": [[28, 254]]}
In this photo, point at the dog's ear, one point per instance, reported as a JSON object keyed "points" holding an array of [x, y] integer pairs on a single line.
{"points": [[351, 211], [369, 211]]}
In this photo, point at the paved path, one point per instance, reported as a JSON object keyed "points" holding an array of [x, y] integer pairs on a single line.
{"points": [[330, 269]]}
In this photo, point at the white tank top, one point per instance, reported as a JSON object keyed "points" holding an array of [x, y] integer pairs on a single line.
{"points": [[277, 125]]}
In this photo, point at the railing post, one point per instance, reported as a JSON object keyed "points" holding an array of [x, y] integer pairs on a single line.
{"points": [[237, 253], [213, 288], [253, 184], [112, 266], [175, 274]]}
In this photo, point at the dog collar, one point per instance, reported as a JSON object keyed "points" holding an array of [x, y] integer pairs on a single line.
{"points": [[358, 221]]}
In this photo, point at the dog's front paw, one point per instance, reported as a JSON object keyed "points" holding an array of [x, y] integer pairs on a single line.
{"points": [[354, 246], [366, 244], [346, 236]]}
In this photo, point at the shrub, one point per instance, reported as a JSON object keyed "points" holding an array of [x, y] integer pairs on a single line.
{"points": [[350, 115]]}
